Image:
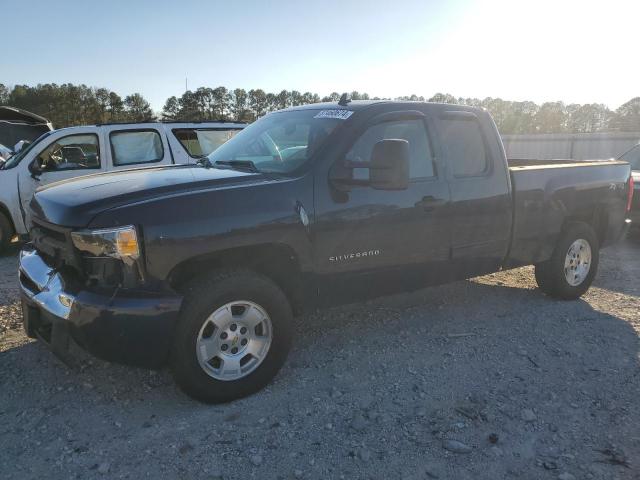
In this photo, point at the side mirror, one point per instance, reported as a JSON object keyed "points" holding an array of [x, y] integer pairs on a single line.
{"points": [[20, 145], [388, 168], [35, 169]]}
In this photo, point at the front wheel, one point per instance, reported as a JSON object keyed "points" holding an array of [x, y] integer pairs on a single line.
{"points": [[233, 336], [568, 274]]}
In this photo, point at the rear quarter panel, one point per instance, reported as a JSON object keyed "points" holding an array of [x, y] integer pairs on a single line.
{"points": [[546, 197]]}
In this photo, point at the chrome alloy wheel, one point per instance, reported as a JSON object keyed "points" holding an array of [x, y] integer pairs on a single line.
{"points": [[577, 263], [234, 340]]}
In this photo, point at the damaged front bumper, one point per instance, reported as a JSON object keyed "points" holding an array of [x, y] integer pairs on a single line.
{"points": [[126, 326]]}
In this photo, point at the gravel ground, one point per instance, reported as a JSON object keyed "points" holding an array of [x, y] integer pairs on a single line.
{"points": [[480, 379]]}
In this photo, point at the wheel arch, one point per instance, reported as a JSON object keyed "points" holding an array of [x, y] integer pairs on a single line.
{"points": [[4, 210], [596, 217], [276, 261]]}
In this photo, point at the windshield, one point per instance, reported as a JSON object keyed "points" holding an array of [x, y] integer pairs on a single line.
{"points": [[17, 158], [633, 157], [281, 142]]}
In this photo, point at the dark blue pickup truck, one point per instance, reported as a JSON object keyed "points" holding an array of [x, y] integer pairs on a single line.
{"points": [[202, 267]]}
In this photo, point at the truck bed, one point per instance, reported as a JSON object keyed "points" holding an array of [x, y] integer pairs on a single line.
{"points": [[547, 193]]}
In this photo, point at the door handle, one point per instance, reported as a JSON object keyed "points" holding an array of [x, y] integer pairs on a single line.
{"points": [[430, 203]]}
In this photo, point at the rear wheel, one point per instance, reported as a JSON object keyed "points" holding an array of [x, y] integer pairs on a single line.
{"points": [[233, 336], [570, 270], [6, 232]]}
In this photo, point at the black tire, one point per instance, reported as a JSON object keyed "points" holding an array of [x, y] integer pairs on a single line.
{"points": [[204, 296], [6, 232], [550, 275]]}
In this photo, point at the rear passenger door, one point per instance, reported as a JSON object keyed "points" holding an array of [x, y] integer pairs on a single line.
{"points": [[140, 145], [480, 209]]}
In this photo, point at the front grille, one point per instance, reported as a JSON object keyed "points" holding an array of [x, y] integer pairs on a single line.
{"points": [[54, 243]]}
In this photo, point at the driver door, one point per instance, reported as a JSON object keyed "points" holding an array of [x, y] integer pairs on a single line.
{"points": [[64, 157], [373, 242]]}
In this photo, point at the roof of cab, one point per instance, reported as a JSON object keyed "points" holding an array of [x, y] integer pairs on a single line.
{"points": [[352, 105], [356, 105]]}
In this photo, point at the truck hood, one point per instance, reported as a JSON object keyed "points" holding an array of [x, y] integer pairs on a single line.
{"points": [[17, 124], [75, 202]]}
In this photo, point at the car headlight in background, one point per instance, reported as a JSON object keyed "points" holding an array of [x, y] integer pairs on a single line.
{"points": [[121, 242]]}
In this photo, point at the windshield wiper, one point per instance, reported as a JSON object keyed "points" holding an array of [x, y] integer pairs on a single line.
{"points": [[244, 165]]}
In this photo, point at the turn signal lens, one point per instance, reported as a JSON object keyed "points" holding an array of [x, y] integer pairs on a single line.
{"points": [[127, 243]]}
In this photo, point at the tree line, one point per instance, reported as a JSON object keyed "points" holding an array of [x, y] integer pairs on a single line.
{"points": [[68, 105]]}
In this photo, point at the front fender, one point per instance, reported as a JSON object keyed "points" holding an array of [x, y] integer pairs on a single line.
{"points": [[198, 224]]}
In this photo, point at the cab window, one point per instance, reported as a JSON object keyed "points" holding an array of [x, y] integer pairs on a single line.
{"points": [[199, 142], [413, 131], [130, 147], [74, 152], [464, 147]]}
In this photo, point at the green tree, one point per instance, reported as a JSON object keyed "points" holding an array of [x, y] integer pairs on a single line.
{"points": [[627, 117], [588, 118], [189, 107], [295, 98], [308, 97], [205, 104], [171, 109], [282, 100], [221, 103], [4, 94], [332, 97], [239, 108], [116, 108], [551, 118], [258, 102], [272, 102], [472, 102], [443, 98], [137, 108], [520, 118], [102, 104]]}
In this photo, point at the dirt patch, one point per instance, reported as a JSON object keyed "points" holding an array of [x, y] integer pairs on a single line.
{"points": [[480, 379]]}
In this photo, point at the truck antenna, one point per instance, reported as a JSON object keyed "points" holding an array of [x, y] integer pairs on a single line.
{"points": [[344, 100]]}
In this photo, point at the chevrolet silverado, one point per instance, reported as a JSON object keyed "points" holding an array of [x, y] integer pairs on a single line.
{"points": [[202, 267]]}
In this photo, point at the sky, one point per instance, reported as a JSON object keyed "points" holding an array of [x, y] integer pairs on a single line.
{"points": [[541, 50]]}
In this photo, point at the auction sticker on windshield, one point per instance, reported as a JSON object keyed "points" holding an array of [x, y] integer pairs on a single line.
{"points": [[339, 114]]}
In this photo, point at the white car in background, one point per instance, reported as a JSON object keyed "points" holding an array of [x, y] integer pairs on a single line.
{"points": [[5, 153], [76, 151]]}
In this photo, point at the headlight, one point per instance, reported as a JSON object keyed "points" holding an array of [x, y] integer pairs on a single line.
{"points": [[119, 242]]}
